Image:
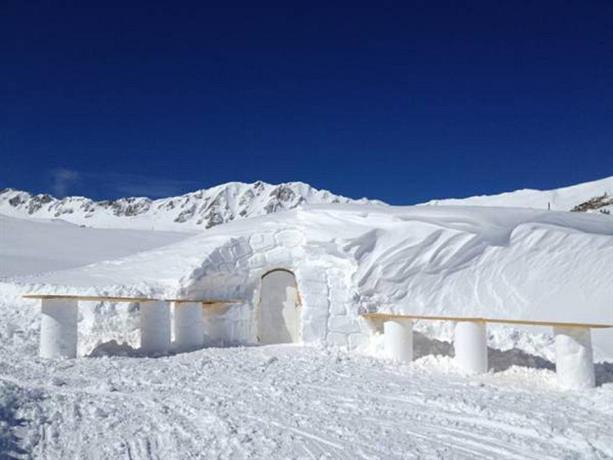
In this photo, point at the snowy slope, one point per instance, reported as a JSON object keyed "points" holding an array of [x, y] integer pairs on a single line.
{"points": [[197, 210], [562, 199], [35, 246]]}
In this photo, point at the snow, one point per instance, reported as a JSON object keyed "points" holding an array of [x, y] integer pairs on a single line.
{"points": [[186, 213], [470, 345], [562, 199], [439, 261], [58, 328], [398, 339], [297, 402], [34, 246], [335, 396], [574, 357]]}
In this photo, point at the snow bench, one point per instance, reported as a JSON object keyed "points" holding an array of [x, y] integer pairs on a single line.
{"points": [[58, 327], [573, 343]]}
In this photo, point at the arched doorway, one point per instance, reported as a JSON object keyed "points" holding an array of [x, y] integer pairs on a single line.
{"points": [[279, 311]]}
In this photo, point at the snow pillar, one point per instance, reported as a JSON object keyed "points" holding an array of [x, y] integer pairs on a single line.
{"points": [[58, 328], [189, 326], [470, 343], [398, 339], [215, 325], [574, 359], [154, 327]]}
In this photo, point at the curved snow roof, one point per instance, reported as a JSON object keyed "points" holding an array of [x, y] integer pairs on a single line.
{"points": [[450, 261]]}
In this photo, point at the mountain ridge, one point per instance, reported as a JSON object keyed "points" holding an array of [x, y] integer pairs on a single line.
{"points": [[205, 208], [200, 209]]}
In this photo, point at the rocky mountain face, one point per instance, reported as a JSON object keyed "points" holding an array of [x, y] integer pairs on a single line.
{"points": [[602, 203], [196, 210]]}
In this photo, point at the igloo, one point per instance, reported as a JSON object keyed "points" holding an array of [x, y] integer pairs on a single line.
{"points": [[343, 275]]}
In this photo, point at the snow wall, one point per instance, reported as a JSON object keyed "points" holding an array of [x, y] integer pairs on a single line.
{"points": [[328, 314]]}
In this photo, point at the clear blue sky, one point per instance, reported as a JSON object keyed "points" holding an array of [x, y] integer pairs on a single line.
{"points": [[428, 100]]}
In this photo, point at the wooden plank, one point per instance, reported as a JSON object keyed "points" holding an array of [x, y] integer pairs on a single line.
{"points": [[384, 316], [90, 298], [204, 301]]}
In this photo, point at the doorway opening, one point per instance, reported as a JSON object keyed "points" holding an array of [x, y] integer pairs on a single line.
{"points": [[279, 311]]}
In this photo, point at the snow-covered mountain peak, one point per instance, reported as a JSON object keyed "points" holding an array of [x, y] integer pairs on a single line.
{"points": [[195, 210]]}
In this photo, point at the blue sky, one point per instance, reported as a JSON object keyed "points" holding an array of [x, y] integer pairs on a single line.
{"points": [[400, 103]]}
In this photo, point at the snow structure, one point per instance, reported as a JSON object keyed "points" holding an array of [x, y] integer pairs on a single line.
{"points": [[58, 328], [398, 337], [470, 344], [350, 259]]}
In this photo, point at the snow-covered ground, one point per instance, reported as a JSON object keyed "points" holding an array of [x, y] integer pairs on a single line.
{"points": [[38, 246], [561, 199], [297, 402], [318, 400]]}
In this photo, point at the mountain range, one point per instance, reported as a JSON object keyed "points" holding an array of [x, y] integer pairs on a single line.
{"points": [[206, 208]]}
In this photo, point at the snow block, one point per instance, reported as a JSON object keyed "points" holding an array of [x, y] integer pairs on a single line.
{"points": [[217, 324], [314, 274], [289, 238], [279, 257], [188, 326], [154, 327], [257, 261], [261, 241], [574, 357], [338, 308], [344, 324], [358, 340], [314, 325], [470, 343], [398, 339], [58, 328], [337, 339]]}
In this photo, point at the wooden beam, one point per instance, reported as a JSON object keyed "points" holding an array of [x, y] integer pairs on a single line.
{"points": [[384, 316], [92, 298], [96, 298], [204, 301]]}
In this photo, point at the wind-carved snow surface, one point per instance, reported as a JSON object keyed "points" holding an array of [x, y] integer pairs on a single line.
{"points": [[326, 398]]}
